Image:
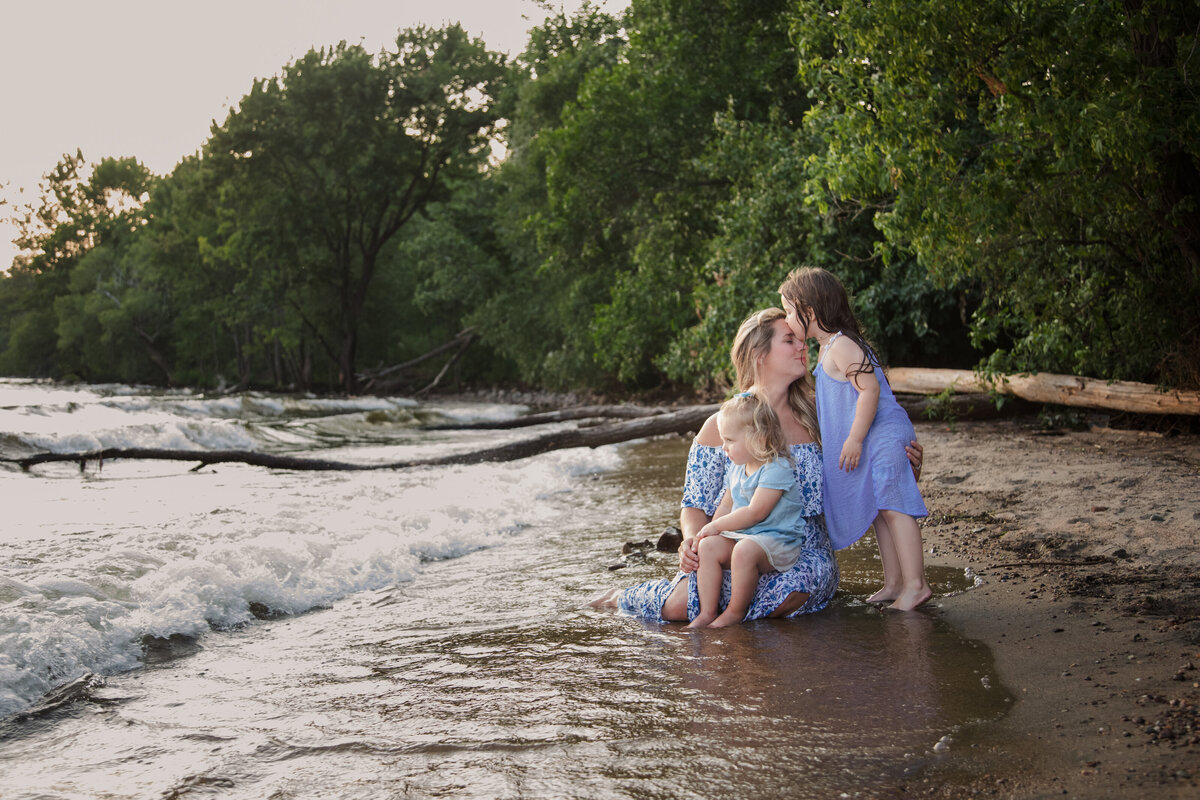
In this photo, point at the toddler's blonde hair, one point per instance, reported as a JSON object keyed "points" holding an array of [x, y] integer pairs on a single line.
{"points": [[765, 439]]}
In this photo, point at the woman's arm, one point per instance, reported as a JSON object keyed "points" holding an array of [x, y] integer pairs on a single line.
{"points": [[693, 518]]}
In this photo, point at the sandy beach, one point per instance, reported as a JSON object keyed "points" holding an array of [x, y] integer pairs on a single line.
{"points": [[1086, 546]]}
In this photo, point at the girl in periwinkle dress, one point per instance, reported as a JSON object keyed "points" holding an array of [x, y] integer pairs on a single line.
{"points": [[756, 528], [863, 428]]}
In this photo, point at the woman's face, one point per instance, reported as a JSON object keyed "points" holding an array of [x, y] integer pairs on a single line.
{"points": [[788, 356]]}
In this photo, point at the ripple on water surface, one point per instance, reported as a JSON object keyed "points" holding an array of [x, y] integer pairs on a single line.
{"points": [[479, 675]]}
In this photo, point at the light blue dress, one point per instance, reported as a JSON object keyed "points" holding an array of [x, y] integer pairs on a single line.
{"points": [[814, 573], [777, 533], [884, 478]]}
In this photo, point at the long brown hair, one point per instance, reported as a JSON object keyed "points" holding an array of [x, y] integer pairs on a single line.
{"points": [[753, 342], [818, 294]]}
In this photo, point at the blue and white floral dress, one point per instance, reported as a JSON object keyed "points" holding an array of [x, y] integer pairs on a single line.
{"points": [[815, 571]]}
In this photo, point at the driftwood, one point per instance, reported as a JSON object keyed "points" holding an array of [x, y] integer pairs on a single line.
{"points": [[680, 421], [386, 378], [970, 406], [563, 415], [466, 337], [1045, 387]]}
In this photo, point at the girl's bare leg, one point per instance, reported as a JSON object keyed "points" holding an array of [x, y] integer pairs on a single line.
{"points": [[714, 555], [906, 536], [747, 562], [893, 578]]}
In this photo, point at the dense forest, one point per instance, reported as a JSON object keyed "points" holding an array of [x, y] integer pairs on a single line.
{"points": [[1002, 184]]}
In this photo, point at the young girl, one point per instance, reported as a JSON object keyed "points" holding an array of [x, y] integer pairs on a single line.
{"points": [[762, 531], [864, 430]]}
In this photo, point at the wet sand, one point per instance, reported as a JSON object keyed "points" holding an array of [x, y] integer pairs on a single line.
{"points": [[1086, 544]]}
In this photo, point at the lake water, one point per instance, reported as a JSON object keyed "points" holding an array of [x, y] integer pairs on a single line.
{"points": [[421, 633]]}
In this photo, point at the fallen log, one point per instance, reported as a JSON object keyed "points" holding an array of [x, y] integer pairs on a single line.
{"points": [[386, 379], [1046, 387], [467, 337], [967, 406], [546, 417], [680, 421]]}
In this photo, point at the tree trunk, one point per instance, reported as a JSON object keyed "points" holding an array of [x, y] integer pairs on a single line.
{"points": [[562, 415], [1046, 387], [346, 376]]}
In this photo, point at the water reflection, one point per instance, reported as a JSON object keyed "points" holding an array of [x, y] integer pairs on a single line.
{"points": [[485, 675], [845, 700]]}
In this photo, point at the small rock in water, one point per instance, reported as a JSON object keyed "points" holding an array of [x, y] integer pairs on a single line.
{"points": [[670, 540], [263, 611], [631, 547], [943, 744], [65, 694]]}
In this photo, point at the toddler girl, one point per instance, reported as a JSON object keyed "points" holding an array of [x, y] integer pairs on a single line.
{"points": [[863, 431], [756, 527]]}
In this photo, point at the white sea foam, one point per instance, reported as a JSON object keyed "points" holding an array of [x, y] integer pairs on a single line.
{"points": [[91, 566], [66, 419]]}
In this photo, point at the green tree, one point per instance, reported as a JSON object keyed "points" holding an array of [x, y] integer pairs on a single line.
{"points": [[327, 163], [1046, 152], [522, 309], [766, 227], [83, 210], [630, 202]]}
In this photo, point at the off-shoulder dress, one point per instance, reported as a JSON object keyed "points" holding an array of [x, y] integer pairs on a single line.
{"points": [[815, 571]]}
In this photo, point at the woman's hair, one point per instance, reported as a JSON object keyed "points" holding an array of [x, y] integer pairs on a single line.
{"points": [[764, 434], [753, 343], [817, 293]]}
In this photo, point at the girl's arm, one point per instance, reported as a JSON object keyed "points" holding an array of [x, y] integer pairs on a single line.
{"points": [[847, 355], [761, 504]]}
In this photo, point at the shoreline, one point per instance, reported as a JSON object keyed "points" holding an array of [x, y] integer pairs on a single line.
{"points": [[1086, 543]]}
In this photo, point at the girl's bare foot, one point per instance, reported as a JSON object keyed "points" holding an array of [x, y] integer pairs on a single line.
{"points": [[702, 621], [912, 598], [724, 621], [884, 595]]}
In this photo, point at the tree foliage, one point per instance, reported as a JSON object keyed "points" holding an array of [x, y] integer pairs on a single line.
{"points": [[326, 164], [1046, 152], [1014, 184]]}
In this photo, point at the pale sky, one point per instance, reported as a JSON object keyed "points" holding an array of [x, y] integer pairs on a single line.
{"points": [[146, 78]]}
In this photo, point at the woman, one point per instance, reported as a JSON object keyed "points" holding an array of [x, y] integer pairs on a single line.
{"points": [[770, 359]]}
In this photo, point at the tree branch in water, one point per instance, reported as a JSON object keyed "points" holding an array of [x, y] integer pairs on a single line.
{"points": [[679, 421]]}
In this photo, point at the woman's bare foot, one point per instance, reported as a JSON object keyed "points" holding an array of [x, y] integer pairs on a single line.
{"points": [[606, 600], [912, 598], [702, 621], [724, 621]]}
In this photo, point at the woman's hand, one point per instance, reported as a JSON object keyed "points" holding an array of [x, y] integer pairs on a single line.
{"points": [[689, 558], [916, 457]]}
